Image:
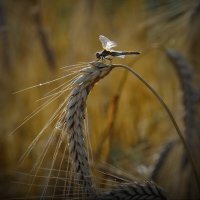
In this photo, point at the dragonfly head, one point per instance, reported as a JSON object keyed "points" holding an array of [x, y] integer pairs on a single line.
{"points": [[98, 55]]}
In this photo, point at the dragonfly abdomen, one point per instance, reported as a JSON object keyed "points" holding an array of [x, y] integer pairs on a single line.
{"points": [[104, 54], [120, 53]]}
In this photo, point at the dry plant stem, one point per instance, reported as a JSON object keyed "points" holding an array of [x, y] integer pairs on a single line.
{"points": [[48, 51], [195, 171], [74, 121], [5, 54], [162, 158]]}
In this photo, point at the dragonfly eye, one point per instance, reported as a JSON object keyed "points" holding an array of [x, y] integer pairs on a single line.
{"points": [[98, 55]]}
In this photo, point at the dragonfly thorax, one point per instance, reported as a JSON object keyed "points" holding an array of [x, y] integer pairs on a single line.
{"points": [[102, 54]]}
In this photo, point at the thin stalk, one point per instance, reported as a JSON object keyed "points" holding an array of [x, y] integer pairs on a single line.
{"points": [[186, 146]]}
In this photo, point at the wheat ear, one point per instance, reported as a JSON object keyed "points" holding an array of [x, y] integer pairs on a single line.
{"points": [[74, 121], [190, 94], [136, 191]]}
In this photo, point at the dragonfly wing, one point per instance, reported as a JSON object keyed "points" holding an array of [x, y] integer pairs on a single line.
{"points": [[106, 43], [121, 56]]}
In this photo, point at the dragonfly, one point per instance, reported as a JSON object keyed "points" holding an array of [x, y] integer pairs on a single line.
{"points": [[108, 52]]}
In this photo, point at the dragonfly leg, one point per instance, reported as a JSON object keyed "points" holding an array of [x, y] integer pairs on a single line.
{"points": [[110, 59], [102, 59]]}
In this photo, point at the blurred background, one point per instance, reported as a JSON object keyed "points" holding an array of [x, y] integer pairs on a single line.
{"points": [[128, 127]]}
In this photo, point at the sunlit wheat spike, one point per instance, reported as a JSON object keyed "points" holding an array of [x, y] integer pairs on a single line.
{"points": [[74, 120]]}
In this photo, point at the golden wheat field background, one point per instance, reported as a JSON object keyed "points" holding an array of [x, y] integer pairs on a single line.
{"points": [[127, 125]]}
